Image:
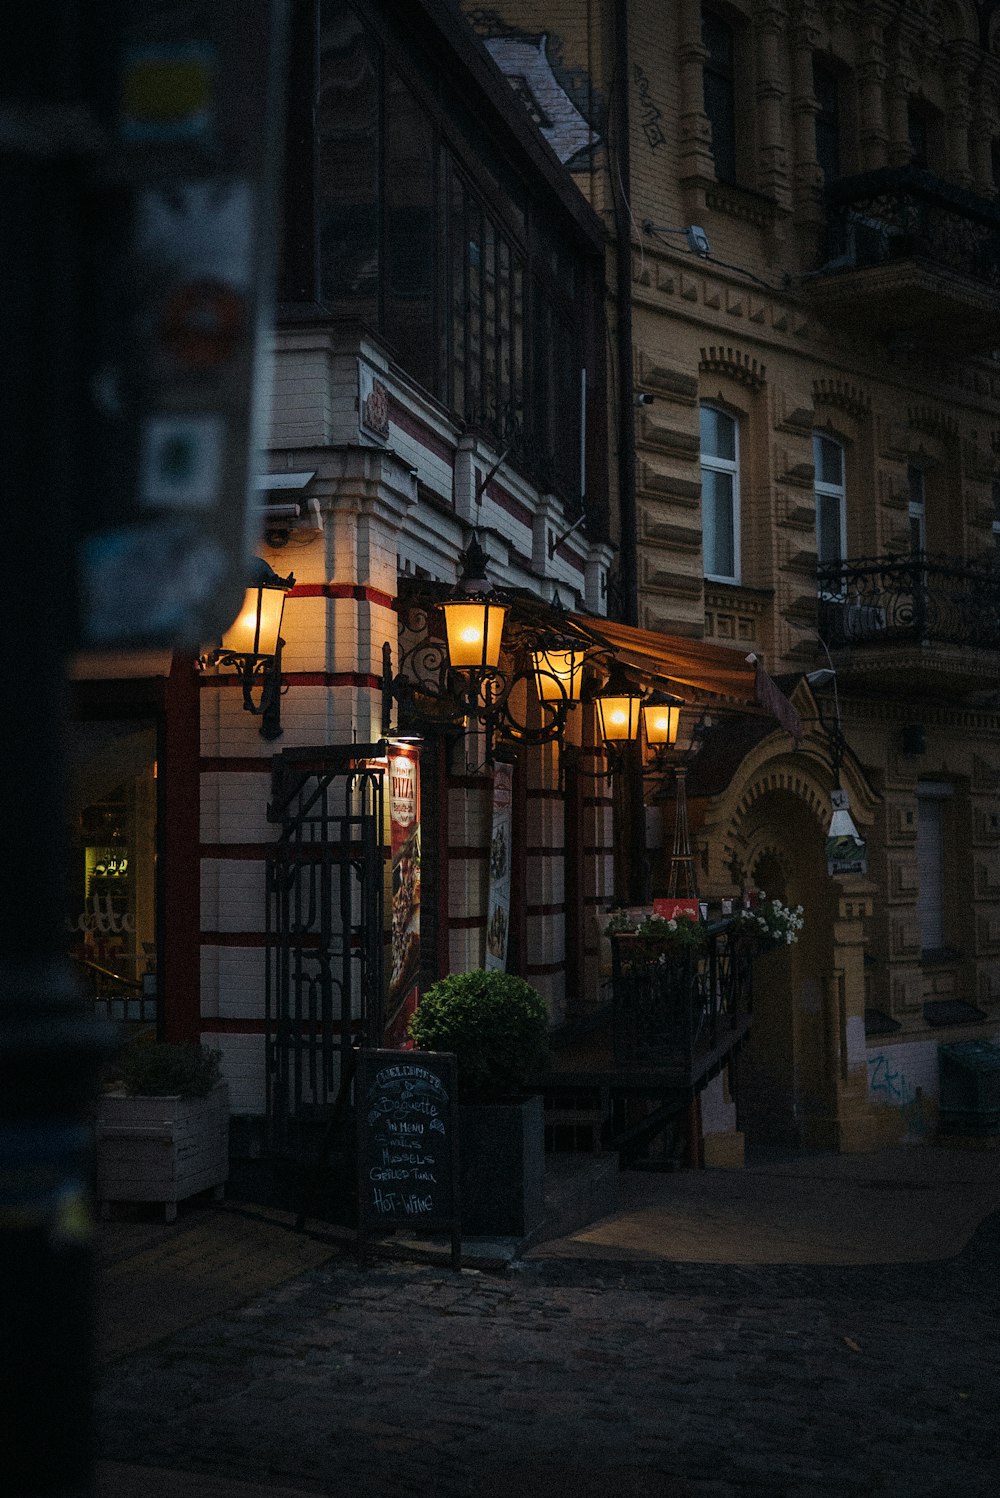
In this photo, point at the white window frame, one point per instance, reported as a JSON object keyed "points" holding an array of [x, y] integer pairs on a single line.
{"points": [[916, 509], [732, 467], [831, 491]]}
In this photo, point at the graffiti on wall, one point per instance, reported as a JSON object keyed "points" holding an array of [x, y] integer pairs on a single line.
{"points": [[649, 115], [888, 1083]]}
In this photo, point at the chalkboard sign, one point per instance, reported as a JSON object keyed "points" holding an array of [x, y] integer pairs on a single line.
{"points": [[407, 1146]]}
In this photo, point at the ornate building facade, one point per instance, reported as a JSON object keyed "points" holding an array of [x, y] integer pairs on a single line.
{"points": [[803, 204]]}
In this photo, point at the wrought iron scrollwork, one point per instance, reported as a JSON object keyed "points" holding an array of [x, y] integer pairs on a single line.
{"points": [[903, 214], [916, 597], [434, 694]]}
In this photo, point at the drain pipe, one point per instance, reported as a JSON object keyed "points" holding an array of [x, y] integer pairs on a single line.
{"points": [[619, 164]]}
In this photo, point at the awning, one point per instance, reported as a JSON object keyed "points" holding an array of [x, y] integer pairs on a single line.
{"points": [[688, 663], [697, 669]]}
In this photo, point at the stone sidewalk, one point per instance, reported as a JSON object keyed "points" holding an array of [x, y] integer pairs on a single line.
{"points": [[228, 1304], [892, 1206]]}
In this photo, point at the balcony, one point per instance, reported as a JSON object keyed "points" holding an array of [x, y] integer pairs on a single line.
{"points": [[913, 614], [912, 259]]}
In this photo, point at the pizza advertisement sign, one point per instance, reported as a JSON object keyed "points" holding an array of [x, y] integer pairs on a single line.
{"points": [[403, 991]]}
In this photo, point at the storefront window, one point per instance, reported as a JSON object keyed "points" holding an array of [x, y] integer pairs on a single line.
{"points": [[111, 896]]}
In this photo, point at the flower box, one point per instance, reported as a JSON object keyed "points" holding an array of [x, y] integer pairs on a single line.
{"points": [[161, 1149]]}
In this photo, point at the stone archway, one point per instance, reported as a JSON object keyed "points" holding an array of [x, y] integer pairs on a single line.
{"points": [[801, 1079], [782, 1079]]}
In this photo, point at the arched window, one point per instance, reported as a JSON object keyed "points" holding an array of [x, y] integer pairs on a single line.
{"points": [[720, 494], [720, 91], [831, 498]]}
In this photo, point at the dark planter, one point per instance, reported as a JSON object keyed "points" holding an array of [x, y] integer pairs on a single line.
{"points": [[502, 1167]]}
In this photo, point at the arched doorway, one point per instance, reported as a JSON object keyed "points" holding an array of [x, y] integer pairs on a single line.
{"points": [[784, 1078]]}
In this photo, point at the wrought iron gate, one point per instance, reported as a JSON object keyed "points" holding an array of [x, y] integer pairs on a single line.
{"points": [[324, 988]]}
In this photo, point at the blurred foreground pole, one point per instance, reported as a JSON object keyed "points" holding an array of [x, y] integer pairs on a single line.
{"points": [[139, 146], [49, 1045]]}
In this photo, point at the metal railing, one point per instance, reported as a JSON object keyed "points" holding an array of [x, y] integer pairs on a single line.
{"points": [[916, 597], [903, 213], [677, 1011], [114, 996]]}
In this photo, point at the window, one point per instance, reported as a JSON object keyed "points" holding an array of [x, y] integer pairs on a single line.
{"points": [[916, 507], [720, 495], [932, 804], [831, 498], [917, 130], [426, 232], [996, 517], [720, 92], [825, 87]]}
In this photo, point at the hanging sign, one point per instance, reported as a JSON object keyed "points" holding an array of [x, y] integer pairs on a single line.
{"points": [[846, 852], [498, 901], [404, 836]]}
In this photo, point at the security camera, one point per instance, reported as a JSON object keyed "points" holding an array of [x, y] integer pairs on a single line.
{"points": [[644, 398], [697, 241], [820, 678], [414, 473]]}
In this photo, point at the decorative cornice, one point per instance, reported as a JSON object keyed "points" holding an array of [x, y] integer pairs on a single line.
{"points": [[734, 363], [842, 394], [932, 420]]}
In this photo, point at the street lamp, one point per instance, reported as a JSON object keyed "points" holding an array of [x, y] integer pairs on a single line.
{"points": [[253, 644], [474, 620], [618, 703], [661, 718]]}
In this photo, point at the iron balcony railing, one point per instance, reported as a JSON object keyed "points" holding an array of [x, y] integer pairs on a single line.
{"points": [[904, 213], [917, 597], [680, 1012]]}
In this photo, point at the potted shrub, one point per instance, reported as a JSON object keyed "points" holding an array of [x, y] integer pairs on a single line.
{"points": [[496, 1025], [163, 1133]]}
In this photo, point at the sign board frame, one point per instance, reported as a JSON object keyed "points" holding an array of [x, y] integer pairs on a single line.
{"points": [[404, 1103]]}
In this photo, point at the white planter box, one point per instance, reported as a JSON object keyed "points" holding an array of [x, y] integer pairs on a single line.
{"points": [[161, 1149]]}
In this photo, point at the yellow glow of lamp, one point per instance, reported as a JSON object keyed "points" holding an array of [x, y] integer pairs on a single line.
{"points": [[618, 704], [474, 629], [473, 619], [257, 627], [661, 717], [558, 672]]}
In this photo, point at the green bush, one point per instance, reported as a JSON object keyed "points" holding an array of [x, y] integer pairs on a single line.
{"points": [[161, 1069], [496, 1025]]}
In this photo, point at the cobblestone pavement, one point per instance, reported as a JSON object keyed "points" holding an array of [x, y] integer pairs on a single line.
{"points": [[579, 1377]]}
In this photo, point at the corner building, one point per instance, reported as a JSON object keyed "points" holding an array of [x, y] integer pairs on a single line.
{"points": [[806, 196]]}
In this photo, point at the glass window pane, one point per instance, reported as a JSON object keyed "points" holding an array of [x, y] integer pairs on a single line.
{"points": [[347, 124], [829, 460], [717, 38], [718, 521], [409, 230], [718, 434], [828, 527], [915, 483]]}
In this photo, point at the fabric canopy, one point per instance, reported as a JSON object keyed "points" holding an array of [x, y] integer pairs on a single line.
{"points": [[689, 663], [692, 666]]}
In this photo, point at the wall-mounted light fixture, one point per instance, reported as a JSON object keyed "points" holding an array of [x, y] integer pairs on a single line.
{"points": [[618, 704], [473, 620], [253, 644]]}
